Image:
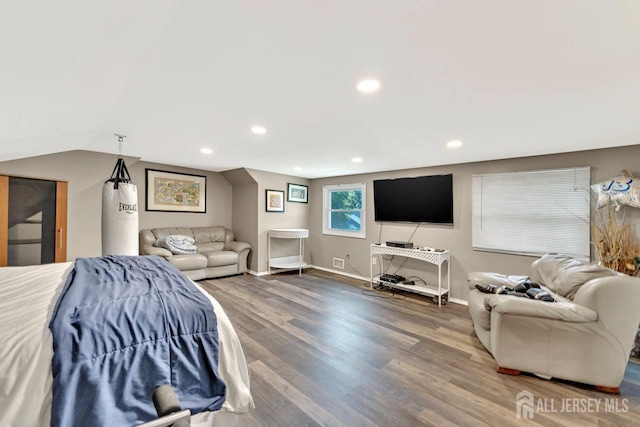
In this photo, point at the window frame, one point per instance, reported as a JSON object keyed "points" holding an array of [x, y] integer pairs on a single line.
{"points": [[326, 210]]}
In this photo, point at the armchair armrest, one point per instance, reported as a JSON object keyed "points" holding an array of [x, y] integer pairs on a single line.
{"points": [[616, 299], [515, 306], [154, 250], [237, 246]]}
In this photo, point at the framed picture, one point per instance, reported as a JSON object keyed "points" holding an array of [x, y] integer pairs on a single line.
{"points": [[297, 193], [275, 200], [175, 192]]}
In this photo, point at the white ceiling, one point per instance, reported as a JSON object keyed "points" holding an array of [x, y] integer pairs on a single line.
{"points": [[508, 78]]}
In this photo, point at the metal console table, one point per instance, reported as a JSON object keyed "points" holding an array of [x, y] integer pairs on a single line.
{"points": [[293, 261], [439, 293]]}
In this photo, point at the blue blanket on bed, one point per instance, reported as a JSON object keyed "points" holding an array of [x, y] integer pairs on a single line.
{"points": [[123, 326]]}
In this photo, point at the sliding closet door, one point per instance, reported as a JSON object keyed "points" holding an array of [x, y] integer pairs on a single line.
{"points": [[61, 222], [33, 224]]}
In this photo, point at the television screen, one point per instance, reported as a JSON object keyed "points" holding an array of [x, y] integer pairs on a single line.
{"points": [[421, 199]]}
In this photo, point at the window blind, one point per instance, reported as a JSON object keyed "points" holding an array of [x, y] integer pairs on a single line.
{"points": [[532, 213]]}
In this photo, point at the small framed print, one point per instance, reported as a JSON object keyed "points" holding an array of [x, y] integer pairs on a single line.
{"points": [[297, 193], [275, 200]]}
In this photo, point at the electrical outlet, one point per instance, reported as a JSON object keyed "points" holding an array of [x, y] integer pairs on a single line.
{"points": [[374, 261]]}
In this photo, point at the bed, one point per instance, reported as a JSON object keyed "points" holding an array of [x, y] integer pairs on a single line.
{"points": [[28, 298]]}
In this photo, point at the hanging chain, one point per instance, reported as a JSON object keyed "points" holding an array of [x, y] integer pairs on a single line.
{"points": [[120, 139]]}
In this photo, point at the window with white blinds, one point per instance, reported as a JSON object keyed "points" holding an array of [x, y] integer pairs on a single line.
{"points": [[532, 213]]}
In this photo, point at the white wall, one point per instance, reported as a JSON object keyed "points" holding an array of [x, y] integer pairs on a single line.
{"points": [[218, 200], [605, 164], [241, 206], [245, 210], [87, 171], [295, 215]]}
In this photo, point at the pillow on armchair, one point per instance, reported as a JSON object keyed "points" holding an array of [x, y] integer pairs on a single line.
{"points": [[564, 275]]}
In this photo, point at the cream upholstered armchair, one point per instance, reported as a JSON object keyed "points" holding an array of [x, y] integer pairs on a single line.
{"points": [[585, 335]]}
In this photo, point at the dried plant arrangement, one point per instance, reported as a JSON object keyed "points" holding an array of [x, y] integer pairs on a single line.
{"points": [[615, 243]]}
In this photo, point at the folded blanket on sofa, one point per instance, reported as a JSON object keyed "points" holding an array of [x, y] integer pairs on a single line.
{"points": [[178, 244], [123, 326]]}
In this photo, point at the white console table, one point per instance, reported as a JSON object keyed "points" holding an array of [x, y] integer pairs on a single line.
{"points": [[439, 293], [293, 261]]}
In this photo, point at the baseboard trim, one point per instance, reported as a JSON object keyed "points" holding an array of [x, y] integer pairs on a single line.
{"points": [[459, 301], [278, 270], [340, 273]]}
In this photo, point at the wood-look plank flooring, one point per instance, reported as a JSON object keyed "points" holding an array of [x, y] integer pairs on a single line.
{"points": [[323, 350]]}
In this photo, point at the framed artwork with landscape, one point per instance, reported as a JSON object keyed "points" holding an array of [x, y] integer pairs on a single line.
{"points": [[275, 200], [297, 193], [175, 192]]}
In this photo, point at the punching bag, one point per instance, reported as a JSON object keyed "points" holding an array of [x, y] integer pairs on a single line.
{"points": [[119, 213]]}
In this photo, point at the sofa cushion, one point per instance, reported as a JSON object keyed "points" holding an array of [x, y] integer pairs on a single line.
{"points": [[556, 296], [483, 279], [166, 232], [220, 258], [209, 234], [564, 275], [210, 247], [189, 261]]}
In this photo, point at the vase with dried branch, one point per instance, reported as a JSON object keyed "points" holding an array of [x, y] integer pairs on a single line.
{"points": [[615, 242], [617, 247]]}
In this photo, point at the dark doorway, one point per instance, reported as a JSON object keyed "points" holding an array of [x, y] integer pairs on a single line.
{"points": [[32, 221]]}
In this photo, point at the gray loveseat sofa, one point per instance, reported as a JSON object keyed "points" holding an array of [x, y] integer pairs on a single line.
{"points": [[586, 335], [217, 253]]}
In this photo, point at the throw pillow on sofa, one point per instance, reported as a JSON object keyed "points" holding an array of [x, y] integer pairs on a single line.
{"points": [[178, 244], [564, 275]]}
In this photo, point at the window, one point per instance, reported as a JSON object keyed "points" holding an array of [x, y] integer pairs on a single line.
{"points": [[343, 211], [532, 213]]}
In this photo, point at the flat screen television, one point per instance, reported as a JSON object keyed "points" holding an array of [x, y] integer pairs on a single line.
{"points": [[422, 199]]}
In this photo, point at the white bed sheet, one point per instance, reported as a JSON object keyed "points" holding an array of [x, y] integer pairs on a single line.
{"points": [[27, 298]]}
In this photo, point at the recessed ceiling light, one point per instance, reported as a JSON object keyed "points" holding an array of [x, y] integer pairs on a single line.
{"points": [[206, 151], [454, 144], [356, 159], [258, 130], [368, 85], [297, 168]]}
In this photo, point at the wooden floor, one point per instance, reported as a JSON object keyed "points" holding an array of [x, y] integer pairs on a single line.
{"points": [[323, 350]]}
